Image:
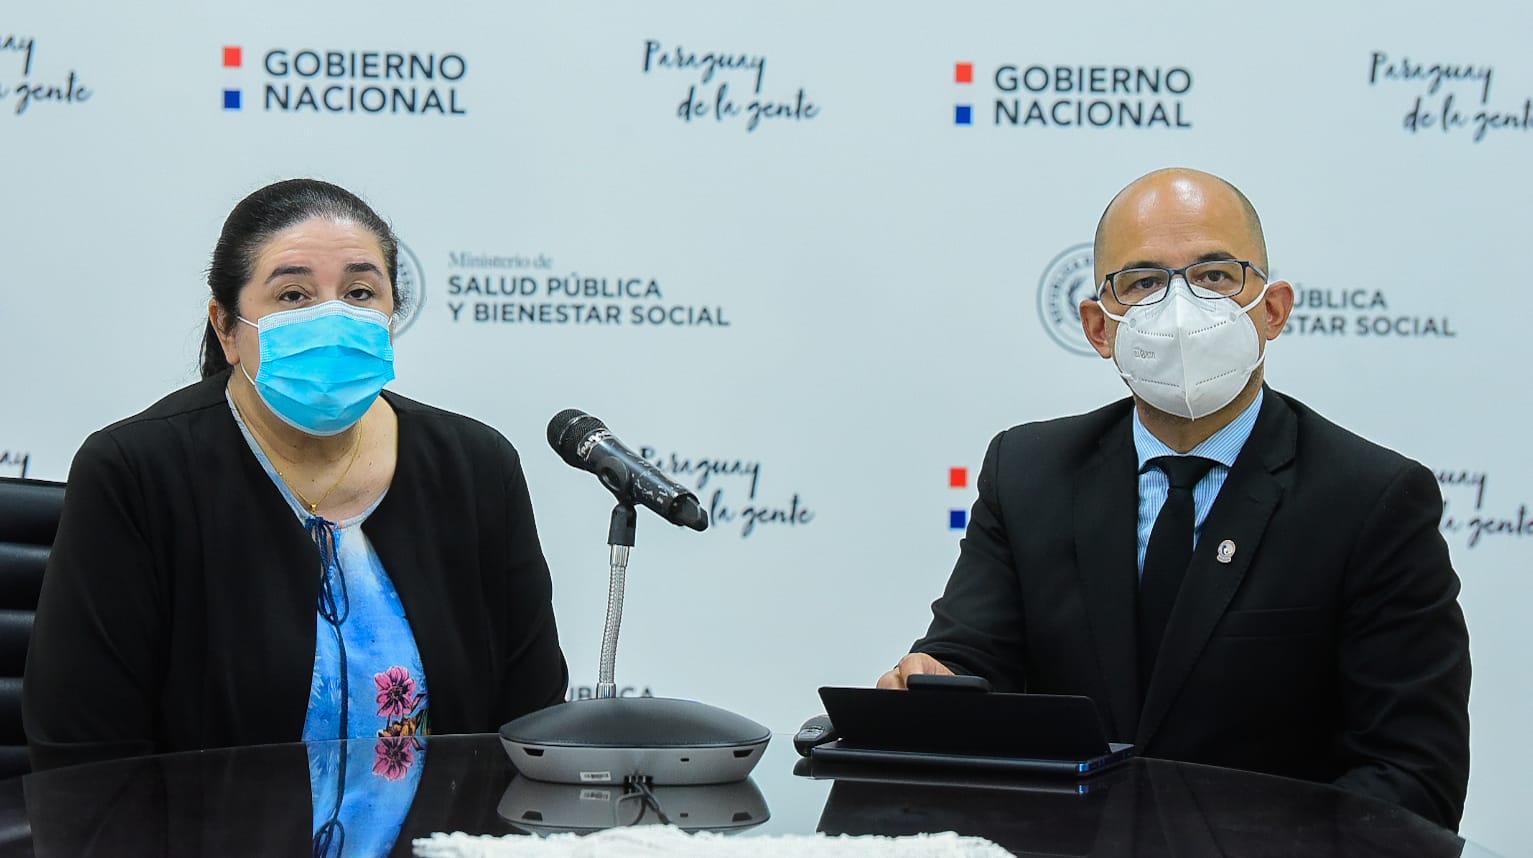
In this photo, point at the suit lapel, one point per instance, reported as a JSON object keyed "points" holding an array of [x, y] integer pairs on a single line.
{"points": [[1239, 517], [1106, 512]]}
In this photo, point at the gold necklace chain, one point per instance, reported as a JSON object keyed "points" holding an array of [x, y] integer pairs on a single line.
{"points": [[313, 506]]}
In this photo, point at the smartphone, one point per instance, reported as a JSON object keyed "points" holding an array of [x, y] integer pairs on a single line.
{"points": [[946, 682]]}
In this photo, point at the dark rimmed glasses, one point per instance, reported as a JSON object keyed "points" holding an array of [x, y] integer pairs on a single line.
{"points": [[1217, 278]]}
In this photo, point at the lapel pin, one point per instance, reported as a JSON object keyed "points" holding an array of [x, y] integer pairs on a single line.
{"points": [[1226, 551]]}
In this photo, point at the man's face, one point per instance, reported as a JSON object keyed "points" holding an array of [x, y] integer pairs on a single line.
{"points": [[1174, 219]]}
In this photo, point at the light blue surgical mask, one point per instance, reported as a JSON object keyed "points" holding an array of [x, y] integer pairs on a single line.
{"points": [[322, 366]]}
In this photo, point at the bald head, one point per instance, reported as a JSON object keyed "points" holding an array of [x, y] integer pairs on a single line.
{"points": [[1172, 202]]}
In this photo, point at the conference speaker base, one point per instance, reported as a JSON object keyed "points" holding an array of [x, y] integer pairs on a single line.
{"points": [[619, 739]]}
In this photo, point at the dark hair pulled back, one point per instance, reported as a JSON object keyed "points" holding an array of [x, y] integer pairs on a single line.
{"points": [[262, 215]]}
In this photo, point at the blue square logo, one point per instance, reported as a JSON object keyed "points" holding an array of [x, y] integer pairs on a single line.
{"points": [[957, 519], [963, 114], [231, 99]]}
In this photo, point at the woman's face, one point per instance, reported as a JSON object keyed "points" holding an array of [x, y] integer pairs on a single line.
{"points": [[308, 263]]}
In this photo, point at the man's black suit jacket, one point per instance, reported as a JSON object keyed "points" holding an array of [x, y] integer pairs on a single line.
{"points": [[1331, 646]]}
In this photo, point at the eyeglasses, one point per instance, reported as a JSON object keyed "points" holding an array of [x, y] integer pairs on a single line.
{"points": [[1219, 278]]}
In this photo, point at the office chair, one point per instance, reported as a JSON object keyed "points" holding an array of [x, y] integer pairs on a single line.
{"points": [[29, 517]]}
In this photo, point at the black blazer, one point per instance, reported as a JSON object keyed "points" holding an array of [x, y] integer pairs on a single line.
{"points": [[1330, 648], [178, 608]]}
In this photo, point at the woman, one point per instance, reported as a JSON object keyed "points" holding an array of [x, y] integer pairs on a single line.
{"points": [[280, 553]]}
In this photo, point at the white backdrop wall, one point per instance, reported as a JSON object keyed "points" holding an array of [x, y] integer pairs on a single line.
{"points": [[834, 305]]}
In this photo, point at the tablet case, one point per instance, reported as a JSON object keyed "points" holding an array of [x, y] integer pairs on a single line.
{"points": [[1032, 733]]}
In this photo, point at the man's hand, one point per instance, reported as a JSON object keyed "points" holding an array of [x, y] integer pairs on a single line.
{"points": [[910, 665]]}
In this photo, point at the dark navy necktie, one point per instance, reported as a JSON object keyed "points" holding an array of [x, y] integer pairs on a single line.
{"points": [[1167, 556]]}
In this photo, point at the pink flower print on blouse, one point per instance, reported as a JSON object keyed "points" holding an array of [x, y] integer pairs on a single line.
{"points": [[394, 757], [396, 692]]}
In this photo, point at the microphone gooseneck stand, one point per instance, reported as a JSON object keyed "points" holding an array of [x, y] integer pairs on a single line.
{"points": [[620, 539], [631, 740], [620, 535]]}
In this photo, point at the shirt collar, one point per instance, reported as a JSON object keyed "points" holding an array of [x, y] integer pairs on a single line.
{"points": [[1222, 446]]}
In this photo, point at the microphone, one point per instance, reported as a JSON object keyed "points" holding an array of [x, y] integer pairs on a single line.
{"points": [[586, 443]]}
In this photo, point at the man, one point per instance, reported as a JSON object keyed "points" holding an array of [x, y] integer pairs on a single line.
{"points": [[1233, 579]]}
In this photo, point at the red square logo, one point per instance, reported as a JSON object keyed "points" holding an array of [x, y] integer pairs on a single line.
{"points": [[963, 73], [232, 57], [957, 478]]}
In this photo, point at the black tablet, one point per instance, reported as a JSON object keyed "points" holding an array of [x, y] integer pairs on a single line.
{"points": [[1031, 733]]}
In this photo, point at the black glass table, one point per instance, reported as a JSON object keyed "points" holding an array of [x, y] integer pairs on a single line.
{"points": [[262, 801]]}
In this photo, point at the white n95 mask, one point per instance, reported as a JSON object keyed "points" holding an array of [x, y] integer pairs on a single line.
{"points": [[1186, 355]]}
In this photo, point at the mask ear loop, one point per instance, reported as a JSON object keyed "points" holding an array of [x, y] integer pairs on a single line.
{"points": [[253, 385], [242, 363], [1261, 345], [1260, 296]]}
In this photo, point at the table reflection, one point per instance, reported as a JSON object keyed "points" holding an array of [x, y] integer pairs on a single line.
{"points": [[360, 791], [263, 801], [544, 808], [1149, 808]]}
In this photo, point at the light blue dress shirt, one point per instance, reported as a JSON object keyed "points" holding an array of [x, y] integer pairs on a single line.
{"points": [[1223, 446]]}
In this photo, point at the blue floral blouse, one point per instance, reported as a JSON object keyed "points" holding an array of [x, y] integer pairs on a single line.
{"points": [[368, 684]]}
